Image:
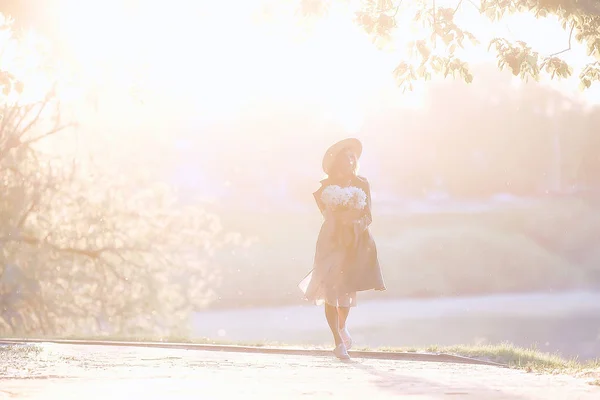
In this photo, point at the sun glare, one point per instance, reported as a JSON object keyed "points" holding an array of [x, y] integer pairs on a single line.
{"points": [[220, 59]]}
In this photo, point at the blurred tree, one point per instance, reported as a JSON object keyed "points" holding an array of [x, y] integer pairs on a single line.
{"points": [[380, 18], [84, 251], [38, 14], [494, 139]]}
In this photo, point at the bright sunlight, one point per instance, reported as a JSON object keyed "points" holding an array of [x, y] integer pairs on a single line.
{"points": [[221, 58]]}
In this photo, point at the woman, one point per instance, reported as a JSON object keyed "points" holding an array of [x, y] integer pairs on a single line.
{"points": [[346, 257]]}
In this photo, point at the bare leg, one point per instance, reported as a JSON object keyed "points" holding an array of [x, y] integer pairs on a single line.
{"points": [[342, 316], [345, 335], [331, 313]]}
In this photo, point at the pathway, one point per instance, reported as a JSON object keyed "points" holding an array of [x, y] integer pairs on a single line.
{"points": [[97, 372]]}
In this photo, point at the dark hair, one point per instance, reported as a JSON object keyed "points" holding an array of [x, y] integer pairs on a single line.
{"points": [[334, 169]]}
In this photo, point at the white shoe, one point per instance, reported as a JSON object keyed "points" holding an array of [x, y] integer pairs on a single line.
{"points": [[346, 338], [341, 352]]}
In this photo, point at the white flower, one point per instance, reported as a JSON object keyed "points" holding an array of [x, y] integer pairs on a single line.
{"points": [[334, 196], [358, 197]]}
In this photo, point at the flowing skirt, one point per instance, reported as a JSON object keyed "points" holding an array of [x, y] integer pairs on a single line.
{"points": [[326, 282], [342, 267], [319, 285]]}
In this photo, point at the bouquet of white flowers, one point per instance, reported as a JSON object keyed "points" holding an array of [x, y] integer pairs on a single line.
{"points": [[336, 197]]}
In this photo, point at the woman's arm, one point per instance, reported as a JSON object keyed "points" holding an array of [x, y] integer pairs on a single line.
{"points": [[368, 218], [317, 196]]}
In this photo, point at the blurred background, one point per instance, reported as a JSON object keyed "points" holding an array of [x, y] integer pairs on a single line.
{"points": [[184, 207]]}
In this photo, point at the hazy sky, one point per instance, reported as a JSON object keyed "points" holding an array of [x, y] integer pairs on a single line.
{"points": [[222, 66]]}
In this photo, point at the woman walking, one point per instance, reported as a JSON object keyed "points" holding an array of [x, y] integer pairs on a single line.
{"points": [[346, 256]]}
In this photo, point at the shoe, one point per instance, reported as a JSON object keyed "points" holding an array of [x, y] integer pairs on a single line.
{"points": [[346, 338], [341, 352]]}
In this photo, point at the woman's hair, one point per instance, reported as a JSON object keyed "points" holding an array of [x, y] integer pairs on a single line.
{"points": [[336, 163]]}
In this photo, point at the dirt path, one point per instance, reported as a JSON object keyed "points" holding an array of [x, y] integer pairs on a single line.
{"points": [[93, 372]]}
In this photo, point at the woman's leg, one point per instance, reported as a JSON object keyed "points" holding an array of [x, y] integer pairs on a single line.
{"points": [[342, 316], [348, 301], [344, 304], [331, 313]]}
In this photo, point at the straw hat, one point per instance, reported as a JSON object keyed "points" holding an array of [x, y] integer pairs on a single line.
{"points": [[351, 144]]}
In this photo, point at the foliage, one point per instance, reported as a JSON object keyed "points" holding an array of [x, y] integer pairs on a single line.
{"points": [[435, 51], [82, 250], [497, 139]]}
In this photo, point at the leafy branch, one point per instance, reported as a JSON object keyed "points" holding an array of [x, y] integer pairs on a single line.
{"points": [[580, 19]]}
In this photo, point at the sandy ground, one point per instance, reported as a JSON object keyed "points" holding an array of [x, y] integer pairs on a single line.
{"points": [[96, 372]]}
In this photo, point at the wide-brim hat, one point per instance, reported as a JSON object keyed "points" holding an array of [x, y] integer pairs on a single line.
{"points": [[351, 144]]}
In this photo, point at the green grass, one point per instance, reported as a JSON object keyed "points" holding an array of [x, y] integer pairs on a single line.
{"points": [[529, 359], [18, 350], [15, 357]]}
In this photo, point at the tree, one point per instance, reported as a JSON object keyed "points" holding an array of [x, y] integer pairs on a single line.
{"points": [[83, 250], [380, 18]]}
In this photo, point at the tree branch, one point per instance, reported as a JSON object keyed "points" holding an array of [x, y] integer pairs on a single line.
{"points": [[6, 118], [33, 121], [90, 253], [474, 5], [434, 25], [397, 9], [548, 58], [50, 133], [570, 41], [26, 214], [113, 269], [16, 131], [457, 7]]}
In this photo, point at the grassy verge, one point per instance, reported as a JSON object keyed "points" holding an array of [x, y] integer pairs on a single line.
{"points": [[14, 357], [527, 359], [7, 352]]}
